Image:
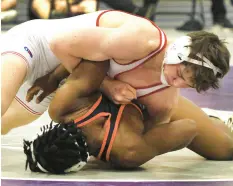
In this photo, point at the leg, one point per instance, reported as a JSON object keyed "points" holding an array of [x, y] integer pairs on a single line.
{"points": [[171, 136], [13, 72], [214, 140], [16, 116], [140, 146], [22, 112]]}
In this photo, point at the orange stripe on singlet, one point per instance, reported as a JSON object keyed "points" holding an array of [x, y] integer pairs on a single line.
{"points": [[90, 111], [106, 125], [114, 131], [107, 129], [119, 115]]}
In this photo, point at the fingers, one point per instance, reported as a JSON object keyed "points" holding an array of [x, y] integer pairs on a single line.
{"points": [[127, 94], [121, 100], [41, 97], [32, 92]]}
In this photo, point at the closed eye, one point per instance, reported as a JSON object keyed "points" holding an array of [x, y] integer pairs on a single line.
{"points": [[182, 77]]}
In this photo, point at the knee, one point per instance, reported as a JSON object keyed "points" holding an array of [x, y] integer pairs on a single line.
{"points": [[130, 156], [128, 161], [191, 127], [188, 127]]}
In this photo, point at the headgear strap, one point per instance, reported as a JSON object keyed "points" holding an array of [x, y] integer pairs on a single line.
{"points": [[179, 51]]}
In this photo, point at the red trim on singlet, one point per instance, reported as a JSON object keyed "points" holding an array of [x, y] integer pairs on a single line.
{"points": [[160, 43], [107, 126], [155, 53], [26, 107], [98, 18], [143, 61], [160, 34], [16, 53], [153, 92]]}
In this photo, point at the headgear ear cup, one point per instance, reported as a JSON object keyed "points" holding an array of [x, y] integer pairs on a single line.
{"points": [[179, 51]]}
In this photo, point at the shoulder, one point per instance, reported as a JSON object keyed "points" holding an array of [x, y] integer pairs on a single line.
{"points": [[146, 32]]}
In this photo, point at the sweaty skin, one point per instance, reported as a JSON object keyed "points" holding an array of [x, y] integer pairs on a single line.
{"points": [[66, 107], [116, 30], [142, 135]]}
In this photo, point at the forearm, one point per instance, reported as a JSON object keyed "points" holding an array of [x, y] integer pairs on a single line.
{"points": [[105, 84], [84, 80], [60, 73], [63, 102]]}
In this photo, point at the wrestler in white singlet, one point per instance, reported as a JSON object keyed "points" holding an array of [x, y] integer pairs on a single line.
{"points": [[30, 41]]}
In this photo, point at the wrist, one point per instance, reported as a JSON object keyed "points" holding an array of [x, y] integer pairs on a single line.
{"points": [[104, 85]]}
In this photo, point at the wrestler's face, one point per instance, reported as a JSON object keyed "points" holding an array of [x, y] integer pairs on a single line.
{"points": [[178, 76]]}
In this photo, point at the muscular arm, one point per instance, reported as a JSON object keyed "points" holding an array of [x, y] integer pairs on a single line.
{"points": [[85, 80], [60, 73], [125, 43]]}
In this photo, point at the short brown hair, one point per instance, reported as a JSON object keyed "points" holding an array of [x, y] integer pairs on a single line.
{"points": [[214, 49]]}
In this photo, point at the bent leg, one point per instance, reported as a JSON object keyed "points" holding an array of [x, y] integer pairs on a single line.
{"points": [[16, 116], [13, 72], [22, 112], [137, 148], [171, 136], [214, 140]]}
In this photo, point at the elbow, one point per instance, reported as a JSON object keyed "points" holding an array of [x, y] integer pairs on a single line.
{"points": [[131, 158]]}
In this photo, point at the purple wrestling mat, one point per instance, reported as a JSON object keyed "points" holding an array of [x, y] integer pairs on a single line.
{"points": [[90, 183], [221, 99]]}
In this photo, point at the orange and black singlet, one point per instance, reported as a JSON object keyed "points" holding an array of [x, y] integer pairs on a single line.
{"points": [[103, 107]]}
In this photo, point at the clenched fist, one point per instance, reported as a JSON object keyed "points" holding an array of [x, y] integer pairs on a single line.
{"points": [[119, 92]]}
